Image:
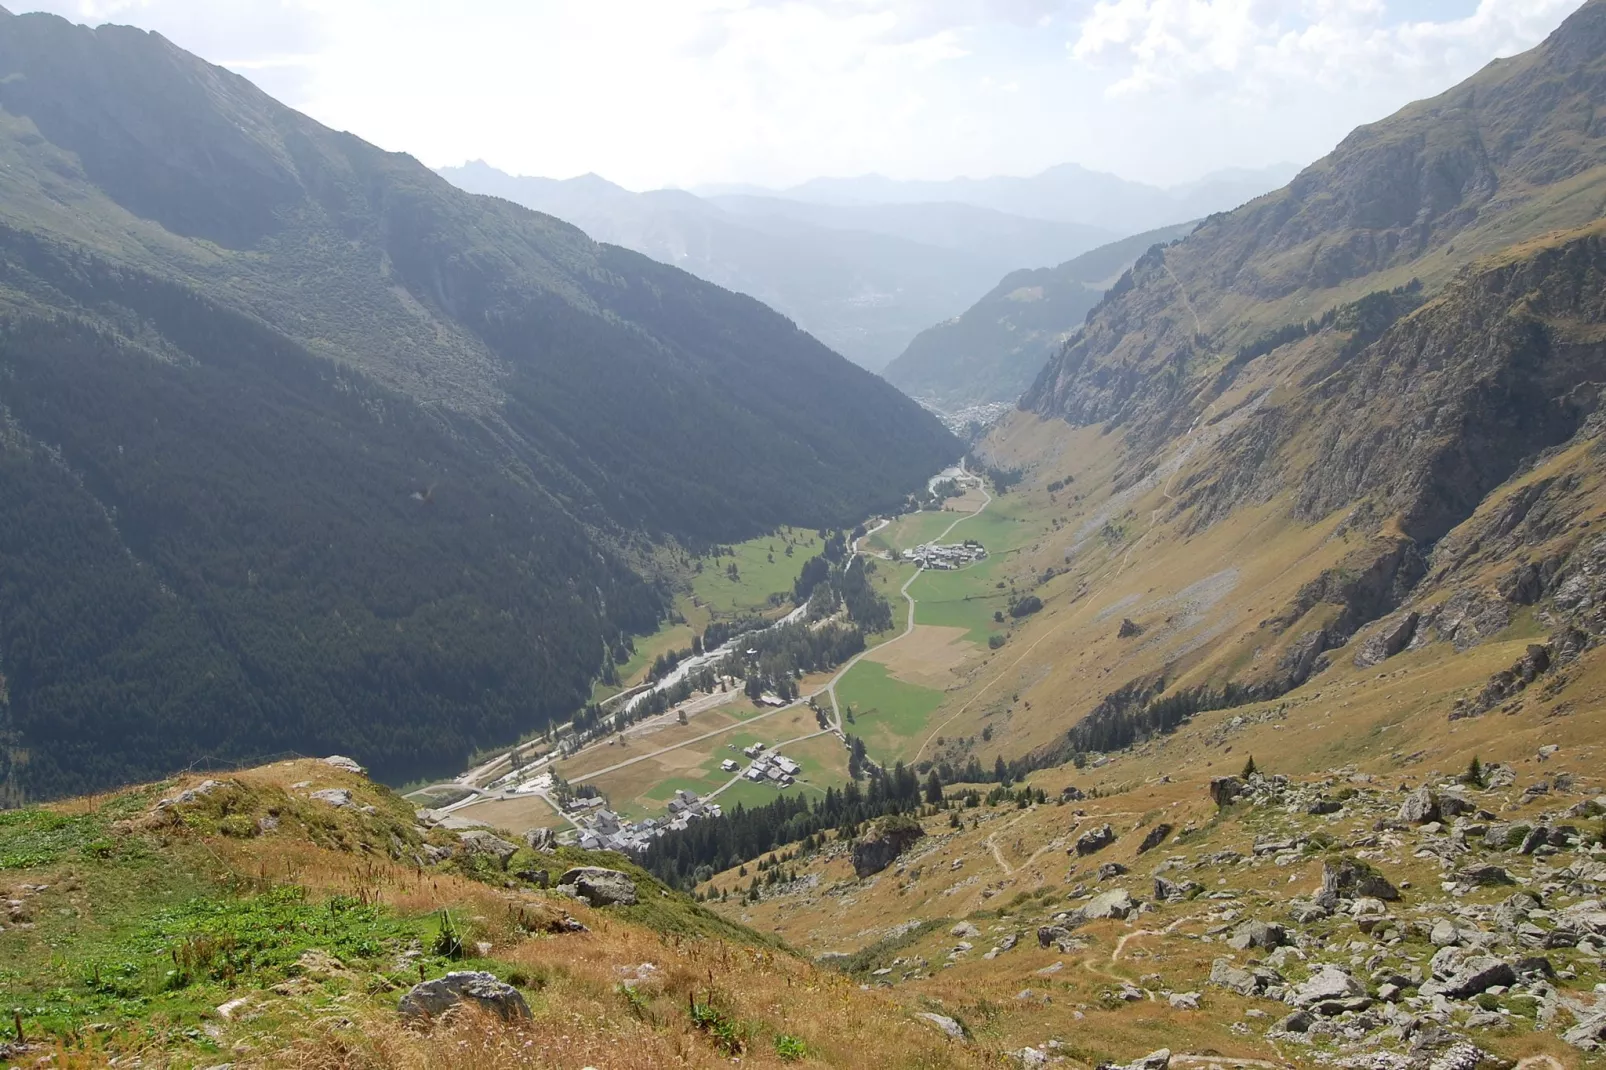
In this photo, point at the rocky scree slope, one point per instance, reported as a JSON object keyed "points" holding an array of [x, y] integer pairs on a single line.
{"points": [[301, 448], [1345, 918]]}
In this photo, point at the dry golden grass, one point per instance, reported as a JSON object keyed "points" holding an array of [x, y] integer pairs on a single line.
{"points": [[927, 656], [583, 1017]]}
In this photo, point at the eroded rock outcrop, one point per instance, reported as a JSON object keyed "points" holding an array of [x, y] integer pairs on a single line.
{"points": [[878, 847]]}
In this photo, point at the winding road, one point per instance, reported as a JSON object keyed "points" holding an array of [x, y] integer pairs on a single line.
{"points": [[829, 690], [480, 793]]}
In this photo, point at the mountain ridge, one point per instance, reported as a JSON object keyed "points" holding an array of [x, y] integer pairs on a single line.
{"points": [[993, 350], [317, 452], [862, 281], [1067, 192]]}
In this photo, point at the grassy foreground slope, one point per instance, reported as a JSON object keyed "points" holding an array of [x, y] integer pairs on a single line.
{"points": [[251, 923]]}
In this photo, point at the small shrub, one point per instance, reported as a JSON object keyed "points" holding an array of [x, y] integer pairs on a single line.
{"points": [[726, 1033], [448, 942], [790, 1048]]}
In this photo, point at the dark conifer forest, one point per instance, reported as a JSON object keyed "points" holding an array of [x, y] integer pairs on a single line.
{"points": [[302, 449]]}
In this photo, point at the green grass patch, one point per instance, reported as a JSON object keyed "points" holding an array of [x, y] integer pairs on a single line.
{"points": [[888, 712], [31, 838], [947, 604], [749, 794], [914, 529], [762, 570]]}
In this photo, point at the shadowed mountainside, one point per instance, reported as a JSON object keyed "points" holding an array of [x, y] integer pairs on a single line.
{"points": [[997, 346], [303, 448]]}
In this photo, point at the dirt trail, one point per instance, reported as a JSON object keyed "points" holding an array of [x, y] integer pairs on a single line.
{"points": [[1120, 945], [935, 732], [1187, 302]]}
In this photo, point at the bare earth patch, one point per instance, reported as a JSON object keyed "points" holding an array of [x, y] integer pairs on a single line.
{"points": [[929, 656]]}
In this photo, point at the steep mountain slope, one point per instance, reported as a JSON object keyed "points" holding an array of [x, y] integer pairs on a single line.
{"points": [[1360, 412], [1068, 193], [863, 280], [993, 350], [305, 449], [1514, 152]]}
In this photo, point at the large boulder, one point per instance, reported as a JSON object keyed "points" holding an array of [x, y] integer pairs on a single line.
{"points": [[1484, 874], [1477, 975], [431, 999], [1235, 978], [540, 839], [1420, 807], [1328, 983], [1095, 840], [1052, 936], [883, 842], [953, 1029], [480, 842], [1266, 936], [1225, 789], [1589, 1033], [1349, 878], [599, 887], [1154, 838], [1113, 904]]}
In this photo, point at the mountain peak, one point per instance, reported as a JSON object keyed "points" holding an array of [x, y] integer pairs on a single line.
{"points": [[1581, 38]]}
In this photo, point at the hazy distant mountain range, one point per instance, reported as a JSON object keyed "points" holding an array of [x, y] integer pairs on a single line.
{"points": [[866, 264], [996, 348], [1068, 193]]}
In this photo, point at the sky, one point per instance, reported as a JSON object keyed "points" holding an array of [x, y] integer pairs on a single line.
{"points": [[653, 93]]}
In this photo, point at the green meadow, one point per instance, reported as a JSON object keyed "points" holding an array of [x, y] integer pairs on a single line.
{"points": [[890, 715], [763, 570]]}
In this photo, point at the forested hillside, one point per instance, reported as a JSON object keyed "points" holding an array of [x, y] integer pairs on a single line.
{"points": [[862, 279], [994, 350], [301, 448]]}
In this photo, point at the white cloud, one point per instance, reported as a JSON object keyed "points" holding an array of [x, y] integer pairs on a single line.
{"points": [[1261, 48], [654, 92]]}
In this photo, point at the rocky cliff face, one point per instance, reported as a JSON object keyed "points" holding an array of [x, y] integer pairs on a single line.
{"points": [[1399, 356], [1500, 158]]}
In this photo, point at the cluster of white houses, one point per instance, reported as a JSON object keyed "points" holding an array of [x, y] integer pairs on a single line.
{"points": [[775, 769], [603, 830], [946, 558], [600, 829]]}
